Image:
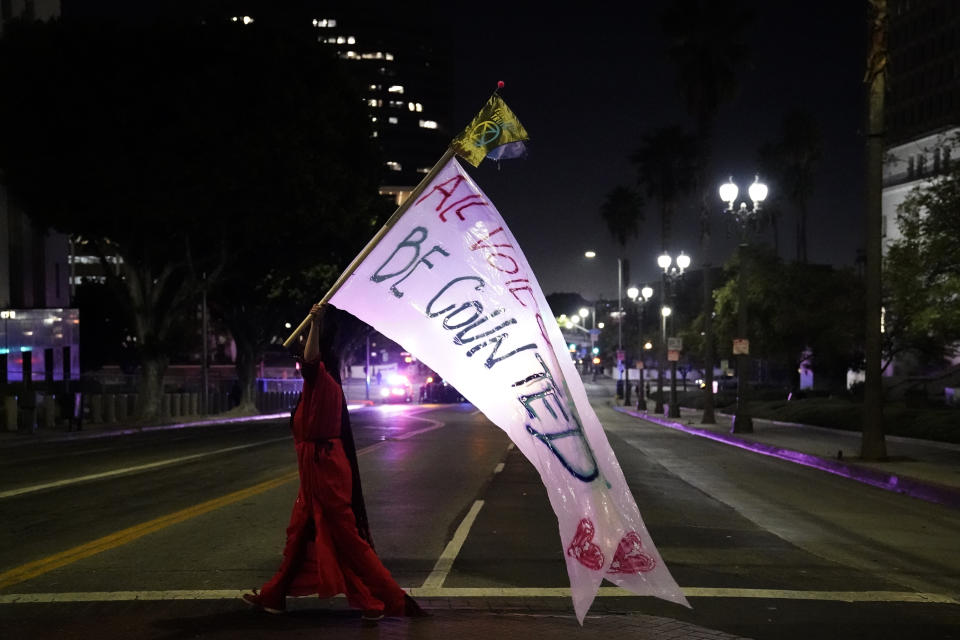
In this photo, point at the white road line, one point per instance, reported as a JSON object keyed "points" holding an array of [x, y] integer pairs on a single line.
{"points": [[494, 592], [498, 468], [445, 562], [127, 470]]}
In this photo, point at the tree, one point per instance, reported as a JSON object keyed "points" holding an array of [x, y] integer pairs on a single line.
{"points": [[666, 168], [873, 445], [707, 43], [792, 162], [787, 320], [622, 211], [233, 151], [922, 274]]}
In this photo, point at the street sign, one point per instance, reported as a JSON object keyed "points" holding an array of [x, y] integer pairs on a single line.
{"points": [[675, 344], [741, 347], [673, 355], [594, 332], [621, 356]]}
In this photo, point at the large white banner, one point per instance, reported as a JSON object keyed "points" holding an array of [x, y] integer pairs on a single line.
{"points": [[450, 284]]}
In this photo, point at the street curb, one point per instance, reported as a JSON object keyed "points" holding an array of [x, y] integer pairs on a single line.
{"points": [[922, 490]]}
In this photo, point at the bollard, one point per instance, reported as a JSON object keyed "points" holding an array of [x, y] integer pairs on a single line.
{"points": [[165, 405], [96, 408], [194, 400], [182, 404], [174, 405], [48, 417], [110, 408], [121, 402], [27, 412], [10, 412]]}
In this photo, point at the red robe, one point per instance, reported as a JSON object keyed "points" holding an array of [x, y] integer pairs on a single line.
{"points": [[325, 554]]}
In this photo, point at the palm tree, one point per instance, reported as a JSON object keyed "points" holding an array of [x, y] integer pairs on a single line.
{"points": [[622, 211], [707, 44], [793, 162], [666, 164], [873, 445]]}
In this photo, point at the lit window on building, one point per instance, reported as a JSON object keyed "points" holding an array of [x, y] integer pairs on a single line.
{"points": [[423, 170], [428, 124], [394, 166], [371, 102], [397, 104], [324, 23], [388, 56], [375, 134], [411, 106], [373, 118], [341, 40], [351, 40], [397, 88], [243, 19], [374, 87], [392, 120], [419, 107], [351, 55]]}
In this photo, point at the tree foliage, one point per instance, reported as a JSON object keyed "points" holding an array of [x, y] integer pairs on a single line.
{"points": [[666, 164], [922, 274], [794, 309], [793, 161], [622, 211]]}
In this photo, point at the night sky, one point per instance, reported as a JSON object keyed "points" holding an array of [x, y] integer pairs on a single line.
{"points": [[588, 85]]}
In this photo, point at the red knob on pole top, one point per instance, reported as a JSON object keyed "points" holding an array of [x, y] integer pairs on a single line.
{"points": [[500, 84]]}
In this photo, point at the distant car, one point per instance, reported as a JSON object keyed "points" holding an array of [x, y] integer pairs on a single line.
{"points": [[435, 390], [396, 389]]}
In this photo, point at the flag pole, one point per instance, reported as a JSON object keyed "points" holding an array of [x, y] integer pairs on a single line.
{"points": [[376, 238]]}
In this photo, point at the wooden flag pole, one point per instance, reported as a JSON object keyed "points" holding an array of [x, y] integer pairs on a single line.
{"points": [[376, 238]]}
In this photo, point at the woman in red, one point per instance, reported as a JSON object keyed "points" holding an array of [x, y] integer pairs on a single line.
{"points": [[325, 553]]}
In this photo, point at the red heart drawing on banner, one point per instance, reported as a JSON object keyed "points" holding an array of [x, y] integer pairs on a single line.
{"points": [[629, 558], [583, 549]]}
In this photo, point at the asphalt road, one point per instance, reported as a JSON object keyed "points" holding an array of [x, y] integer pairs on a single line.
{"points": [[766, 549]]}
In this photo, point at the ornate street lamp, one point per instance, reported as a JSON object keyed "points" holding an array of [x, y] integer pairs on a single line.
{"points": [[673, 269], [742, 422], [640, 296]]}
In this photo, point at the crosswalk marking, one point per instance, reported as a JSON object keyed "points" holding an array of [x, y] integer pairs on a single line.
{"points": [[495, 592]]}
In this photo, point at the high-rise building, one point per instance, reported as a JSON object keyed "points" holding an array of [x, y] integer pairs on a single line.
{"points": [[404, 73]]}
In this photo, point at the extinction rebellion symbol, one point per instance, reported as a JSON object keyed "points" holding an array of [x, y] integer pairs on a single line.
{"points": [[485, 133]]}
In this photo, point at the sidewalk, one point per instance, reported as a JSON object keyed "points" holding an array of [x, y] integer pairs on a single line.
{"points": [[923, 469]]}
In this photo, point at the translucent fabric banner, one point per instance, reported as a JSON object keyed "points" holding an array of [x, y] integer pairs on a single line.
{"points": [[449, 283]]}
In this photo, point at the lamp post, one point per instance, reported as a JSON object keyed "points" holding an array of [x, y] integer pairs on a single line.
{"points": [[640, 296], [742, 422], [673, 269]]}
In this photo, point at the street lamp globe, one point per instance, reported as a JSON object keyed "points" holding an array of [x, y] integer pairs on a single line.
{"points": [[600, 325], [632, 293], [683, 261], [589, 254], [666, 311], [575, 319], [757, 192], [647, 292], [728, 193], [664, 261], [584, 312]]}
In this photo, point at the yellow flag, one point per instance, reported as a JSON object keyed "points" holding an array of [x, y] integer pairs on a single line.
{"points": [[488, 133]]}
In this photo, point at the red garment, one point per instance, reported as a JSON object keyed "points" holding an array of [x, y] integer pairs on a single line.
{"points": [[324, 553]]}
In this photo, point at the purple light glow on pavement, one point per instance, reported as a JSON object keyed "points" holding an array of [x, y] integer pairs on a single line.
{"points": [[890, 482]]}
